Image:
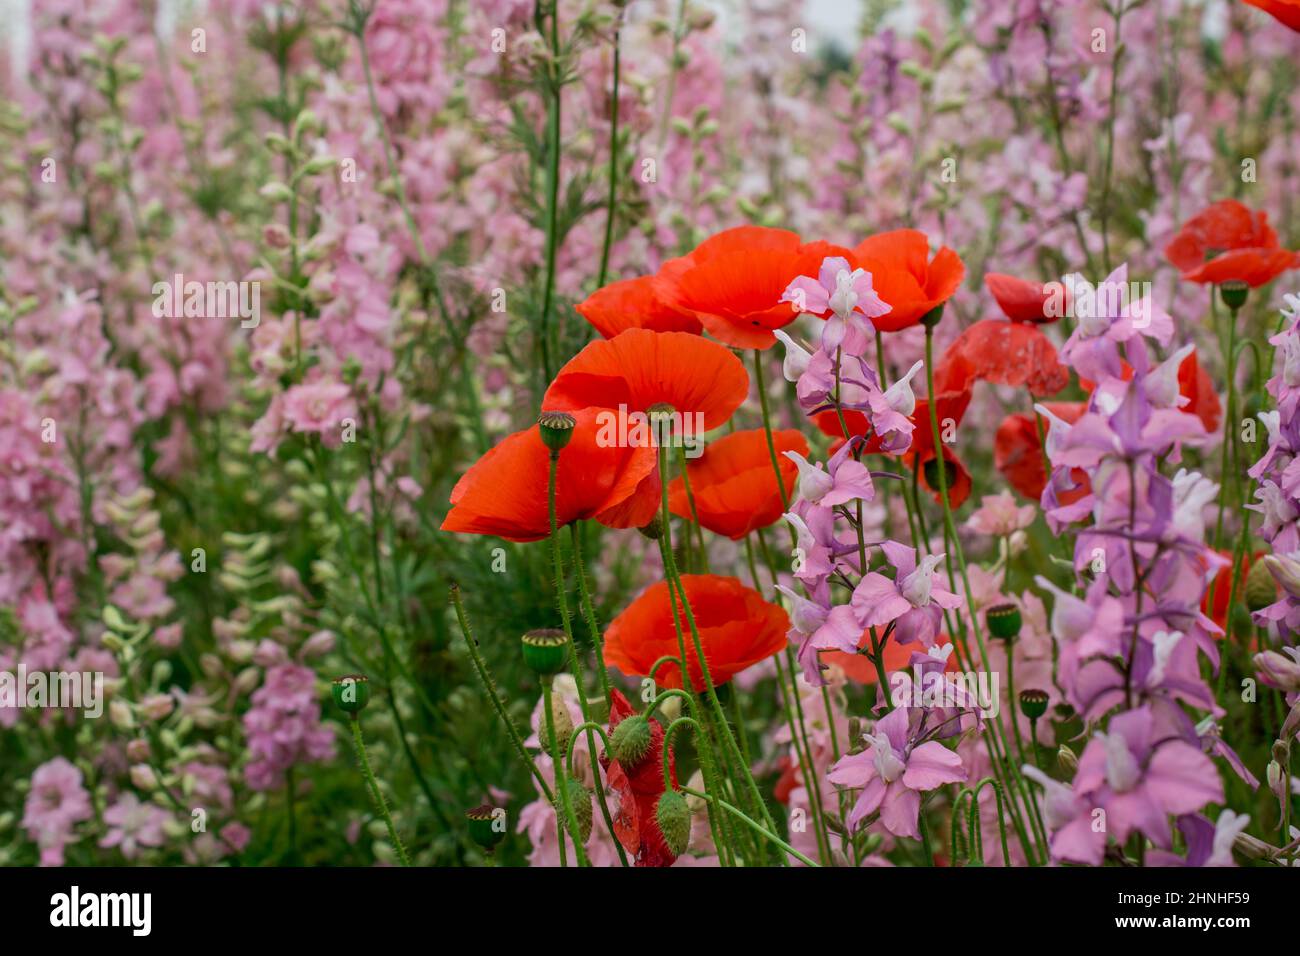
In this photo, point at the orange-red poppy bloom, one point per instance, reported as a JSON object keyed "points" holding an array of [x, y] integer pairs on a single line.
{"points": [[733, 483], [1286, 12], [504, 492], [1227, 242], [633, 304], [1019, 299], [1223, 587], [1018, 454], [733, 282], [639, 368], [737, 630], [957, 476], [905, 277], [1196, 385], [1011, 353]]}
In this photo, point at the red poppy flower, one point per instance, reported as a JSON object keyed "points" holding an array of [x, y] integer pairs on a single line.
{"points": [[904, 276], [1227, 242], [639, 788], [1018, 455], [737, 630], [633, 304], [1195, 383], [858, 667], [504, 492], [732, 282], [1286, 12], [1021, 300], [733, 483], [952, 386], [1223, 587], [1011, 353], [639, 368]]}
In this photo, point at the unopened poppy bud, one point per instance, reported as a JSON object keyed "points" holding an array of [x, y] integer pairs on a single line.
{"points": [[563, 729], [1004, 622], [674, 818], [556, 429], [482, 827], [630, 741], [1033, 702], [544, 650], [1067, 760], [580, 803], [1261, 589], [1233, 293], [351, 693]]}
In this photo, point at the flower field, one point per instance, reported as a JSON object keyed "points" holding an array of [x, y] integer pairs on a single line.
{"points": [[583, 433]]}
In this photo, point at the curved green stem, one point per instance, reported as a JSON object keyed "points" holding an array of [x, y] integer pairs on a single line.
{"points": [[359, 743]]}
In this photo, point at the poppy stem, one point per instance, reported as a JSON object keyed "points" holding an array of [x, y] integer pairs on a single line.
{"points": [[712, 782], [489, 687], [591, 726], [589, 610], [562, 600], [997, 745], [564, 813], [675, 581], [364, 759], [757, 828], [767, 426], [695, 515]]}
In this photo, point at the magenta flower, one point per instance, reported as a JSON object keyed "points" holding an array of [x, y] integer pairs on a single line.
{"points": [[849, 298], [910, 601], [894, 771]]}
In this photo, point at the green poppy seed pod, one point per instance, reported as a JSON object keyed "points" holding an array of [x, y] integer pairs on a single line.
{"points": [[674, 818], [931, 471], [482, 827], [630, 741], [1067, 760], [1261, 589], [351, 693], [1033, 702], [544, 650], [1233, 293], [1003, 621], [556, 429], [931, 318]]}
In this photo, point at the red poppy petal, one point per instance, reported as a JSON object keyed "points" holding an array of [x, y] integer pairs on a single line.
{"points": [[633, 304], [1012, 353]]}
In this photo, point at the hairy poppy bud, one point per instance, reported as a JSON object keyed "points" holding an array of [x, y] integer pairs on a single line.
{"points": [[544, 650], [630, 741], [674, 818], [1033, 702], [1261, 589], [556, 429], [482, 827], [580, 802], [1233, 293], [1003, 621], [351, 693], [563, 728]]}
